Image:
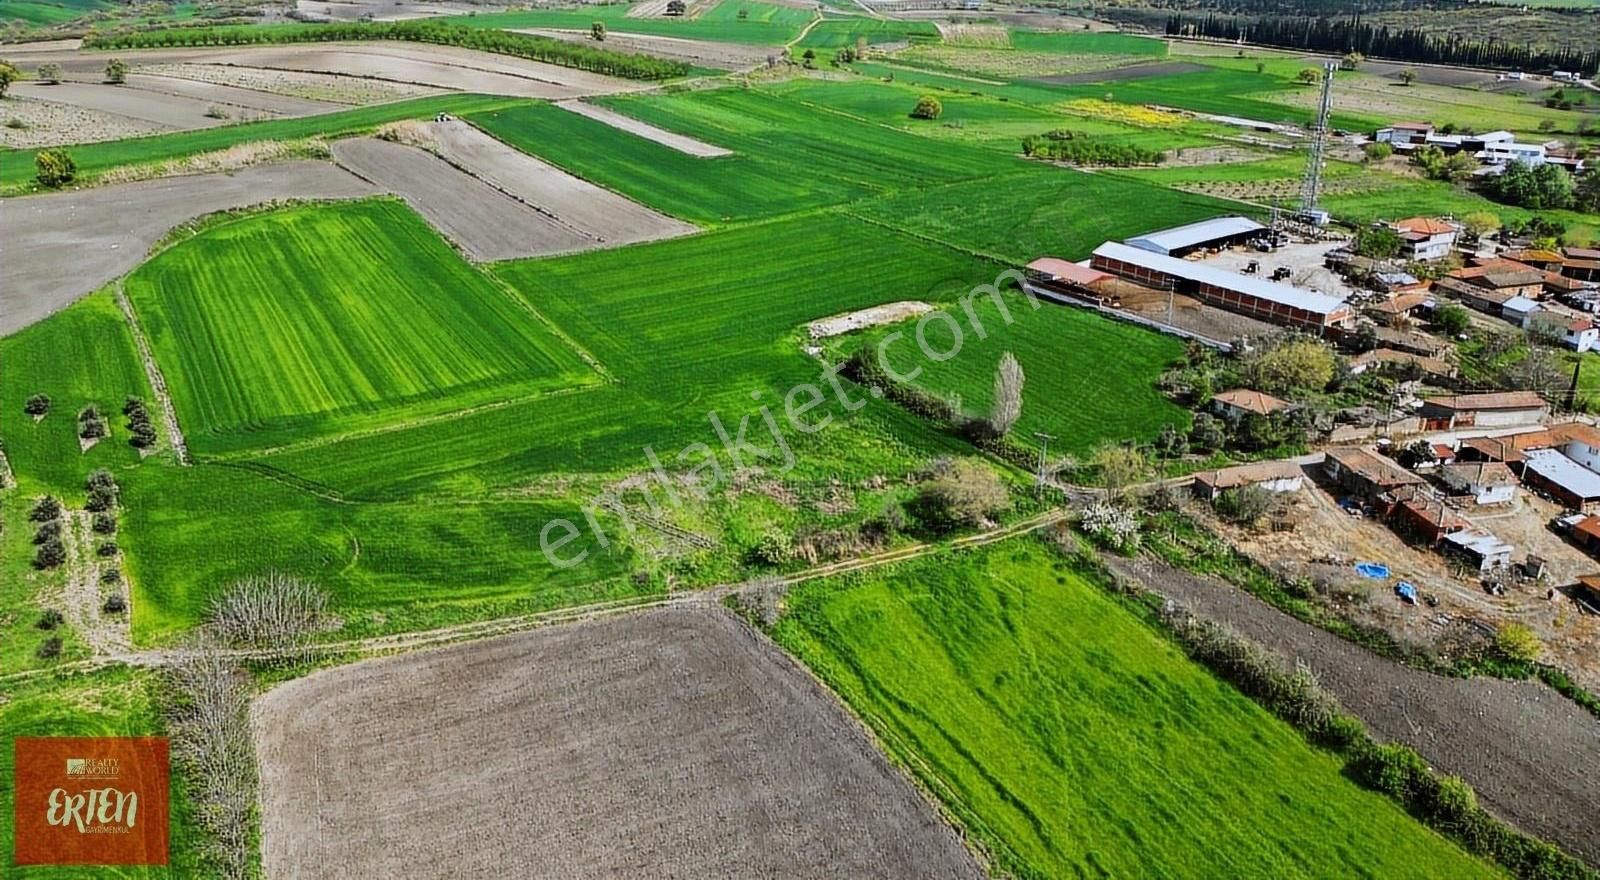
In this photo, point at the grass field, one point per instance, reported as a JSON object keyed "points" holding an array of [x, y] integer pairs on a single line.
{"points": [[16, 172], [1069, 43], [1089, 379], [84, 355], [1041, 211], [836, 33], [282, 327], [789, 157], [1072, 740], [765, 24], [44, 14]]}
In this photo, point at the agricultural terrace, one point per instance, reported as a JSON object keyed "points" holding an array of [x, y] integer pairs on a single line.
{"points": [[1073, 740], [274, 329]]}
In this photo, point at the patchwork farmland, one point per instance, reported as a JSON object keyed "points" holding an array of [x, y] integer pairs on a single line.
{"points": [[449, 406]]}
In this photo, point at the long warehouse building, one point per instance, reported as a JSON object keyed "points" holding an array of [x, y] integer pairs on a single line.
{"points": [[1247, 295]]}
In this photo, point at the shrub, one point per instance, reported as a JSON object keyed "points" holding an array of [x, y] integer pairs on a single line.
{"points": [[1082, 150], [8, 75], [1517, 643], [1378, 151], [49, 530], [116, 71], [104, 524], [50, 74], [597, 31], [45, 509], [54, 168], [112, 575], [772, 548], [1111, 526], [1391, 768], [1246, 505], [49, 620], [49, 649], [106, 549], [959, 493], [37, 405], [115, 604], [49, 555], [928, 107]]}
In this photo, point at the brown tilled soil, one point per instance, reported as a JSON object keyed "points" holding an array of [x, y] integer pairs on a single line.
{"points": [[679, 142], [726, 56], [240, 104], [1528, 751], [485, 223], [58, 247], [155, 108], [665, 743], [599, 213], [318, 87]]}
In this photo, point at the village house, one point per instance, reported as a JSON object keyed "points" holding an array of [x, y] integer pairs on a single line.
{"points": [[1498, 409], [1483, 299], [1422, 516], [1540, 259], [1237, 403], [1582, 264], [1568, 482], [1364, 474], [1503, 277], [1502, 449], [1273, 476], [1426, 238], [1415, 342], [1398, 305], [1576, 333], [1381, 357], [1487, 482], [1482, 549]]}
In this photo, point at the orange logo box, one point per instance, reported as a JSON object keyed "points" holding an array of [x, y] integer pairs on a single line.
{"points": [[91, 800]]}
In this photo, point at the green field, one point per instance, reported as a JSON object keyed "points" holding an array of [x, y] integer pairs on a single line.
{"points": [[764, 24], [44, 14], [836, 33], [789, 156], [1074, 741], [273, 329], [1071, 43], [16, 172], [1088, 378]]}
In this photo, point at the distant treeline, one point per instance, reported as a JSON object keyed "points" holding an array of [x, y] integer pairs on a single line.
{"points": [[1339, 36], [534, 48]]}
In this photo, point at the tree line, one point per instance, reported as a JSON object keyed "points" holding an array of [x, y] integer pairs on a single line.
{"points": [[535, 48], [1319, 34], [1069, 146]]}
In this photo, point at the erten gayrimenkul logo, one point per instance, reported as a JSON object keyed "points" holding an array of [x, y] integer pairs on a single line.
{"points": [[91, 800]]}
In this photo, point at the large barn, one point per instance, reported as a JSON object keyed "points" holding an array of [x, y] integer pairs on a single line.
{"points": [[1245, 294], [1218, 232]]}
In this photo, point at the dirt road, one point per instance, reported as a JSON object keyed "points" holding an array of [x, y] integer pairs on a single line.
{"points": [[673, 742], [681, 143], [61, 246], [1528, 751]]}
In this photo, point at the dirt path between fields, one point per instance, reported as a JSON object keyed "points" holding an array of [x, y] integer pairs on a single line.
{"points": [[1528, 751], [158, 382]]}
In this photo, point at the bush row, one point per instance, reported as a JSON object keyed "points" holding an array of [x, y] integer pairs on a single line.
{"points": [[551, 51], [1080, 150]]}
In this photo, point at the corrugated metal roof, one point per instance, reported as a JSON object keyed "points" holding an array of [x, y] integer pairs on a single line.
{"points": [[1564, 472], [1065, 270], [1310, 300], [1168, 240]]}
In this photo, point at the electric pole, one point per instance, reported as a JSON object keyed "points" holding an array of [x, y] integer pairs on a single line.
{"points": [[1044, 451]]}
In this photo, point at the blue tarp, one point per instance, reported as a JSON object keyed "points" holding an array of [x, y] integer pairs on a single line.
{"points": [[1375, 570]]}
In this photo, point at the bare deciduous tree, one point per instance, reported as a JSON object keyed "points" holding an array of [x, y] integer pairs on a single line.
{"points": [[275, 611], [209, 722], [1007, 407]]}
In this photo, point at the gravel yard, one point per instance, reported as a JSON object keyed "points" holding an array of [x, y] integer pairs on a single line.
{"points": [[1528, 751], [667, 743], [61, 246], [483, 222]]}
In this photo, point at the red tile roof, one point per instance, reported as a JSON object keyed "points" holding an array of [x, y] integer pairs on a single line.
{"points": [[1424, 226], [1250, 401], [1491, 401], [1067, 270]]}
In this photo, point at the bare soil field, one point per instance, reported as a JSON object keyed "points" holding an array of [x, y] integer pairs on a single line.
{"points": [[725, 56], [61, 246], [239, 103], [386, 10], [416, 64], [157, 108], [485, 223], [681, 143], [51, 123], [316, 87], [665, 743], [1120, 74], [602, 215], [1528, 751]]}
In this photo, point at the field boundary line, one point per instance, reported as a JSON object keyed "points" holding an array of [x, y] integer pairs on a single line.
{"points": [[584, 354], [158, 382]]}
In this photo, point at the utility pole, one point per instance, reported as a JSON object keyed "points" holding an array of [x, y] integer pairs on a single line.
{"points": [[1044, 452]]}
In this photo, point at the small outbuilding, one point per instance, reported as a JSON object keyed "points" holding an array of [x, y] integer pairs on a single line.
{"points": [[1481, 548], [1488, 482], [1237, 403], [1364, 474], [1273, 476]]}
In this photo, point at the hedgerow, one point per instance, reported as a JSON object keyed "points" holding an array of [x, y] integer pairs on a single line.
{"points": [[1069, 146], [551, 51]]}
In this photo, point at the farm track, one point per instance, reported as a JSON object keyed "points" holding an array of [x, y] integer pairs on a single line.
{"points": [[400, 642], [105, 634], [158, 382]]}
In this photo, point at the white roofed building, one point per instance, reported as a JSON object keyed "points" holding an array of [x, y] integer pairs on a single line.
{"points": [[1181, 240], [1245, 294]]}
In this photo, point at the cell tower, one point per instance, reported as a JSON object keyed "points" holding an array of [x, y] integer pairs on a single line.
{"points": [[1311, 183]]}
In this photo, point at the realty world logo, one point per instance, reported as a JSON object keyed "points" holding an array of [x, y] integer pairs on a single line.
{"points": [[91, 800]]}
